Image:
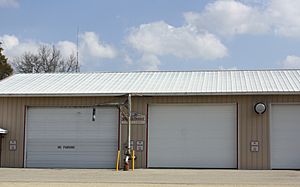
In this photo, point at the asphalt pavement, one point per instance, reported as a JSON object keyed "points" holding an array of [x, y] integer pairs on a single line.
{"points": [[19, 177]]}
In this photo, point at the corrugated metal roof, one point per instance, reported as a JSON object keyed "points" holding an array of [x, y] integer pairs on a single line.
{"points": [[223, 82]]}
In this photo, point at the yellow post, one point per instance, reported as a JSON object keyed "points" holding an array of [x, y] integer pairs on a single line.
{"points": [[118, 160], [132, 160]]}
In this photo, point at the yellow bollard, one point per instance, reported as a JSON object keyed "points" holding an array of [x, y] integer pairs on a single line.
{"points": [[118, 160], [132, 160]]}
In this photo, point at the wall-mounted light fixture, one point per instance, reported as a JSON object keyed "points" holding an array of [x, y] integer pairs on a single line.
{"points": [[260, 108], [94, 114], [3, 131]]}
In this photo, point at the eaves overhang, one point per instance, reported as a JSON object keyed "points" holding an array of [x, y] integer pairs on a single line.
{"points": [[144, 94]]}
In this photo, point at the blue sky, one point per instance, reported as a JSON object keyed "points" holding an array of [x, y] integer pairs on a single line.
{"points": [[158, 34]]}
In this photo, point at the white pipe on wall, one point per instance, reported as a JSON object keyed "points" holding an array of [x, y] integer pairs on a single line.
{"points": [[129, 121]]}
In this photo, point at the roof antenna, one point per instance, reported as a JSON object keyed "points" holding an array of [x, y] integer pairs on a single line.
{"points": [[77, 60]]}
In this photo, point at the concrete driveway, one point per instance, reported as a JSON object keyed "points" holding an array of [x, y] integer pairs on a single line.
{"points": [[146, 177]]}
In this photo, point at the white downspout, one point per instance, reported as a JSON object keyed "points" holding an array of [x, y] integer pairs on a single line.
{"points": [[129, 121]]}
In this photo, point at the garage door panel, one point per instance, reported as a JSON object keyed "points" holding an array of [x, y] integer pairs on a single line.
{"points": [[91, 157], [61, 135], [74, 164], [41, 147], [178, 137], [285, 136], [69, 134]]}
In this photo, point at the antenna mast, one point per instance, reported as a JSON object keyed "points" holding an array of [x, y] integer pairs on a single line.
{"points": [[77, 61]]}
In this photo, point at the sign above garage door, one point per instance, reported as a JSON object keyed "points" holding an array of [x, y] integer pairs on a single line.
{"points": [[136, 119]]}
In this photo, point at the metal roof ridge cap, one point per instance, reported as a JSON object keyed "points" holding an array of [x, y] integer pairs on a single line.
{"points": [[203, 70]]}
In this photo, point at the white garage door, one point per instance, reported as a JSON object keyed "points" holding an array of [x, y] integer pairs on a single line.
{"points": [[192, 136], [285, 136], [69, 138]]}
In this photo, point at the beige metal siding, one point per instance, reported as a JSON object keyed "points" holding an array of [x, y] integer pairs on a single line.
{"points": [[250, 125], [12, 118]]}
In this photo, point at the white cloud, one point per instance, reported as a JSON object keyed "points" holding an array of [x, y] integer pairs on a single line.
{"points": [[291, 61], [285, 16], [230, 68], [149, 62], [90, 47], [128, 59], [260, 3], [14, 48], [159, 39], [9, 3], [67, 48], [9, 41], [232, 17], [229, 18]]}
